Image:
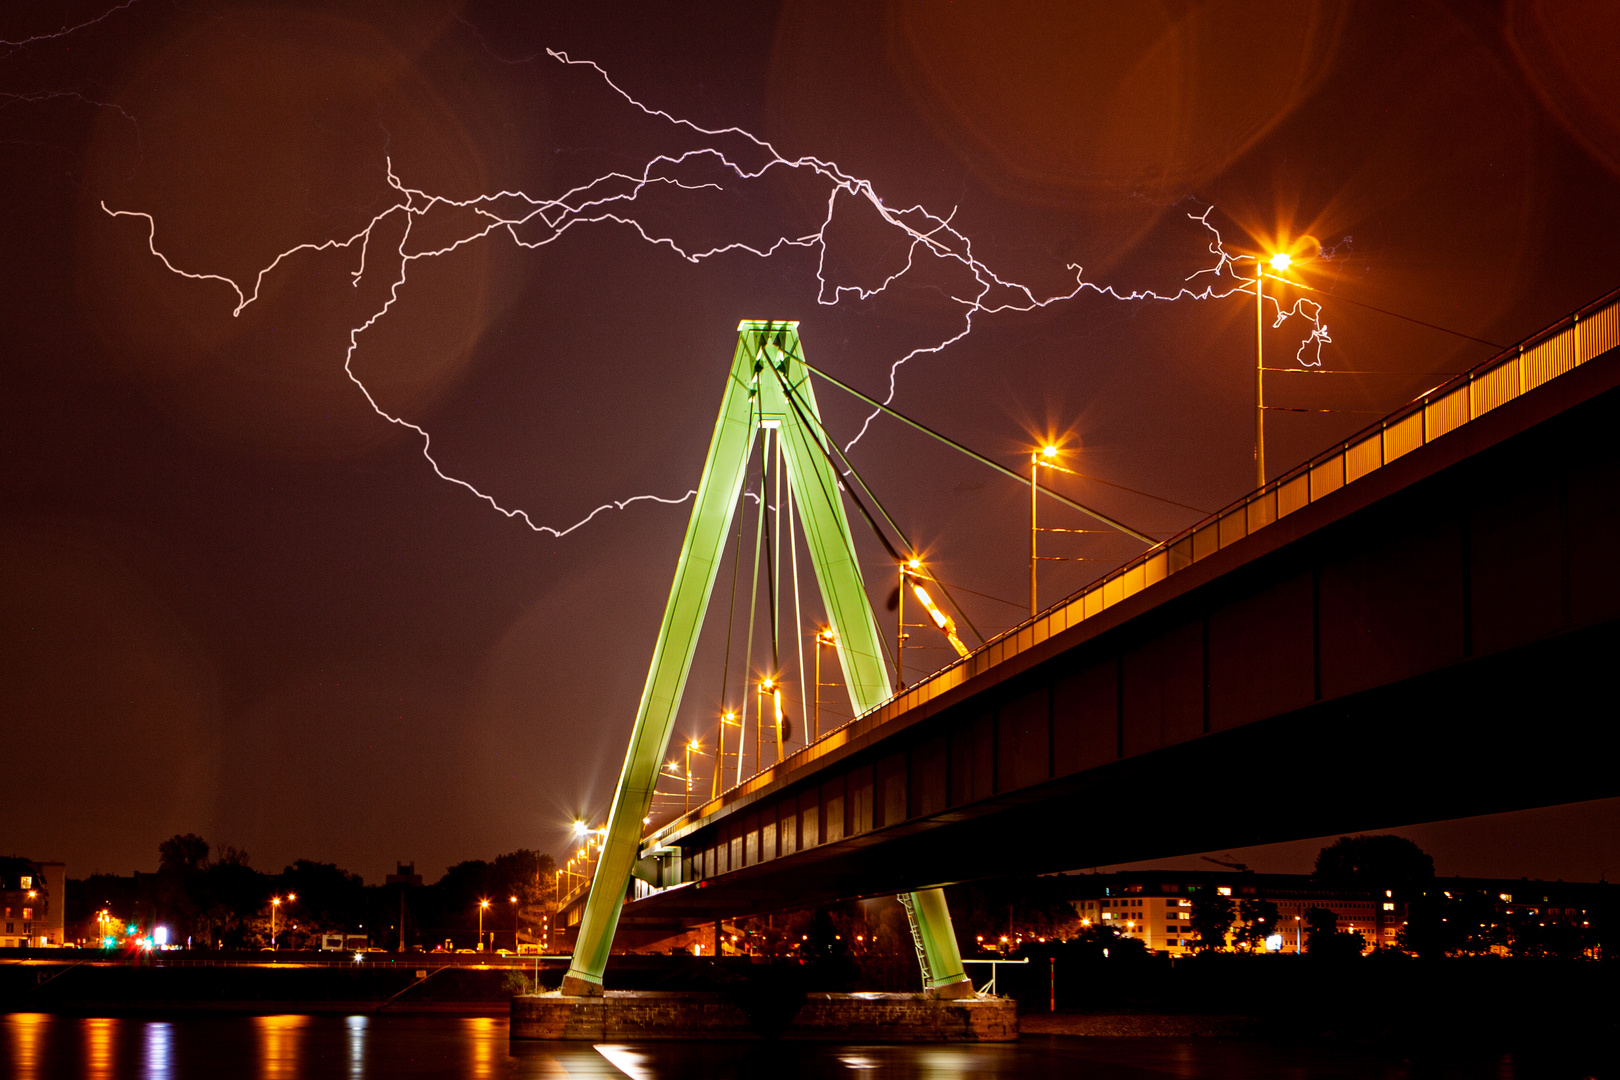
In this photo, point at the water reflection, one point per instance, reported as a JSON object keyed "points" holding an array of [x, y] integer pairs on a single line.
{"points": [[388, 1047], [279, 1038], [100, 1042], [356, 1026], [157, 1056], [26, 1034], [486, 1043]]}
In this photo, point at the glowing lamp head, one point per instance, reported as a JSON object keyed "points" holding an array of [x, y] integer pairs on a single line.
{"points": [[1281, 261], [694, 745], [768, 683], [1049, 450], [275, 901], [730, 717], [483, 903], [292, 896], [579, 828]]}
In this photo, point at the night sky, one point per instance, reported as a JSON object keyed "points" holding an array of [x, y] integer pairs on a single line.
{"points": [[237, 600]]}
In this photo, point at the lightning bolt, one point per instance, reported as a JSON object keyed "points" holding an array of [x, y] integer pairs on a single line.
{"points": [[611, 198], [65, 30]]}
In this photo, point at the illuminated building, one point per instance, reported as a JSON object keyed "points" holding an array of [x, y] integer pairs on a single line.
{"points": [[32, 903], [1156, 907]]}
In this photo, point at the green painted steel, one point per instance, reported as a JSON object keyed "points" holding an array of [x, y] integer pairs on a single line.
{"points": [[767, 386]]}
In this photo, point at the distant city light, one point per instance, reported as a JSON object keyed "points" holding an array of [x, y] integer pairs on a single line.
{"points": [[160, 935]]}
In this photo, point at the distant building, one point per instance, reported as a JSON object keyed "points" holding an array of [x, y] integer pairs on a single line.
{"points": [[1155, 906], [33, 903]]}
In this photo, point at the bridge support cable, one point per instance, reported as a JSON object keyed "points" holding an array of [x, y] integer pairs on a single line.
{"points": [[840, 461], [981, 459], [751, 401]]}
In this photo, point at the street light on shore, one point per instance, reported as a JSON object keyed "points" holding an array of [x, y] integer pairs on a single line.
{"points": [[483, 905], [275, 905]]}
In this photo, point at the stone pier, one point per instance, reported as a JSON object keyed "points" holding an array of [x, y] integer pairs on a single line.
{"points": [[631, 1016]]}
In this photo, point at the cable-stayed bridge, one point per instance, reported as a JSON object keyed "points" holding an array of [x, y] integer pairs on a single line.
{"points": [[1418, 624]]}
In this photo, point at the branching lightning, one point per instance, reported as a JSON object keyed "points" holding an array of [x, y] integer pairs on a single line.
{"points": [[611, 198], [64, 31]]}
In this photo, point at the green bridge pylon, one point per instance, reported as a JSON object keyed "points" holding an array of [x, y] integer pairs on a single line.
{"points": [[768, 387]]}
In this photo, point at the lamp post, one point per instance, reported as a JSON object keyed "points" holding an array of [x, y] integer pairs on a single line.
{"points": [[767, 685], [483, 905], [1280, 261], [1035, 462], [900, 634], [728, 717], [513, 901], [823, 638], [275, 904], [691, 746]]}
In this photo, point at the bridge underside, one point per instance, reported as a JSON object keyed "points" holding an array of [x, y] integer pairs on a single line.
{"points": [[1435, 640], [1507, 732]]}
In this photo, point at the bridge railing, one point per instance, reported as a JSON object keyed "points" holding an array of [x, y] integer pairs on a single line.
{"points": [[1560, 348]]}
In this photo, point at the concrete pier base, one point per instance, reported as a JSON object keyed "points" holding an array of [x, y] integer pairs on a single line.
{"points": [[631, 1016]]}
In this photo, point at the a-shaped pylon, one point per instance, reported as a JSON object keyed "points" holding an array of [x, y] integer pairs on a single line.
{"points": [[768, 387]]}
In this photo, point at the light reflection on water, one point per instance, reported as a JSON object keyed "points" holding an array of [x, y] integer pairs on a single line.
{"points": [[40, 1047], [157, 1057], [24, 1033], [279, 1038], [356, 1026], [99, 1035]]}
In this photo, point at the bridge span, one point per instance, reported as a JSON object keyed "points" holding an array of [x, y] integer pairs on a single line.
{"points": [[1420, 624]]}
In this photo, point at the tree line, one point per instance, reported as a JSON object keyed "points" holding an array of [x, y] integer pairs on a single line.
{"points": [[216, 899]]}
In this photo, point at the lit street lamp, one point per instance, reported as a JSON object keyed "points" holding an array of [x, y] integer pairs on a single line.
{"points": [[720, 754], [824, 638], [1047, 452], [513, 901], [483, 905], [275, 904], [1279, 261], [767, 685], [692, 745]]}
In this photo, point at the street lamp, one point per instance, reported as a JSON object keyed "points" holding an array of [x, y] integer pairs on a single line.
{"points": [[824, 638], [483, 905], [1279, 261], [728, 717], [513, 901], [767, 685], [907, 567], [692, 746], [1045, 456], [275, 905]]}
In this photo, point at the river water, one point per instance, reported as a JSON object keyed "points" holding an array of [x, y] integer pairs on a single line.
{"points": [[37, 1046]]}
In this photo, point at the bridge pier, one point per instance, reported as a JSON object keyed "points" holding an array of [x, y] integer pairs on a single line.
{"points": [[632, 1015]]}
